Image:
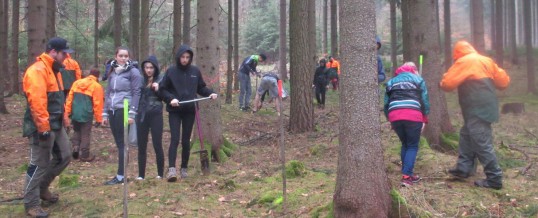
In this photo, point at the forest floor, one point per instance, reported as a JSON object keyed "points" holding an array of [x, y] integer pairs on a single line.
{"points": [[249, 183]]}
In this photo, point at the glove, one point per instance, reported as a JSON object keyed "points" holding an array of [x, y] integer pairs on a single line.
{"points": [[44, 136]]}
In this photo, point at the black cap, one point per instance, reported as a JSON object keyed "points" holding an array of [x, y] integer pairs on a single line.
{"points": [[58, 44]]}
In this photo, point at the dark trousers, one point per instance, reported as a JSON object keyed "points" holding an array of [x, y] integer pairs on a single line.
{"points": [[115, 119], [334, 82], [81, 138], [321, 89], [476, 141], [186, 122], [153, 121], [409, 134]]}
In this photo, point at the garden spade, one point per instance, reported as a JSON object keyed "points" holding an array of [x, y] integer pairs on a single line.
{"points": [[204, 155]]}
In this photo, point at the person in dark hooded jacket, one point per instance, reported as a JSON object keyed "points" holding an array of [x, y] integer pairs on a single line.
{"points": [[182, 82], [150, 117], [321, 80]]}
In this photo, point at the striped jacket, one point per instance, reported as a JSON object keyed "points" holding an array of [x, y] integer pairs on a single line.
{"points": [[406, 90]]}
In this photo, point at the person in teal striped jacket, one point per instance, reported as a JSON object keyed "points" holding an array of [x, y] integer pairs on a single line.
{"points": [[407, 107]]}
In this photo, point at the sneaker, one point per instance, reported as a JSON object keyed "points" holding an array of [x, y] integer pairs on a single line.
{"points": [[484, 184], [159, 177], [46, 195], [408, 181], [458, 173], [183, 173], [114, 181], [37, 211], [172, 175], [140, 178]]}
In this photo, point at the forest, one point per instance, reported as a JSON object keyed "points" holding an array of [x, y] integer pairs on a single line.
{"points": [[293, 156]]}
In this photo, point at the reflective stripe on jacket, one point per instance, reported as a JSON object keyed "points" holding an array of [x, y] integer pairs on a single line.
{"points": [[85, 100]]}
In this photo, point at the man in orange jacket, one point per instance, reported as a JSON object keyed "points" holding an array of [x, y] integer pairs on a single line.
{"points": [[333, 66], [85, 102], [476, 77], [70, 73], [44, 124]]}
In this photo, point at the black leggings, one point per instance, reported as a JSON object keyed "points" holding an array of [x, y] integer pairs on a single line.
{"points": [[115, 119], [153, 120], [186, 122], [320, 93]]}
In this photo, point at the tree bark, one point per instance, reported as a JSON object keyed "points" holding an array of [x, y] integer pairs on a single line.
{"points": [[282, 60], [324, 38], [236, 44], [448, 37], [14, 57], [499, 49], [208, 53], [187, 22], [51, 19], [393, 36], [3, 53], [511, 21], [421, 41], [493, 14], [96, 34], [134, 23], [334, 28], [531, 86], [406, 32], [312, 31], [361, 169], [477, 26], [301, 109], [177, 26], [117, 23], [36, 29], [229, 72], [144, 29]]}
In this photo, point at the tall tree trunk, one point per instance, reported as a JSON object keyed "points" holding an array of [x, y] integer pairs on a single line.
{"points": [[177, 26], [3, 53], [144, 29], [37, 10], [312, 31], [499, 49], [477, 26], [51, 19], [301, 109], [14, 57], [96, 34], [324, 38], [448, 33], [393, 36], [419, 24], [236, 44], [406, 32], [208, 60], [361, 169], [511, 21], [282, 60], [334, 28], [531, 86], [229, 72], [187, 22], [134, 23], [117, 23]]}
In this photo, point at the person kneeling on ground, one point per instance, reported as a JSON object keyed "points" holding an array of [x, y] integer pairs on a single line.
{"points": [[268, 83], [406, 107]]}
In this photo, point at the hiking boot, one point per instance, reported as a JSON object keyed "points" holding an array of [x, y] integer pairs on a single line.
{"points": [[458, 173], [114, 181], [37, 211], [90, 158], [484, 184], [408, 181], [46, 195], [183, 173], [172, 175], [75, 152]]}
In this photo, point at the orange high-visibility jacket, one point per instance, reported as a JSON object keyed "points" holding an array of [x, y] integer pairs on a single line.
{"points": [[44, 94], [476, 77], [334, 64], [71, 72], [85, 100]]}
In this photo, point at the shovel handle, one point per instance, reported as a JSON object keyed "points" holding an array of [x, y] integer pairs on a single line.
{"points": [[194, 100]]}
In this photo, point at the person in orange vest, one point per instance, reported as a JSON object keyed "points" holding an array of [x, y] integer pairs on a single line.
{"points": [[476, 77], [84, 103], [70, 73], [333, 67], [44, 123]]}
